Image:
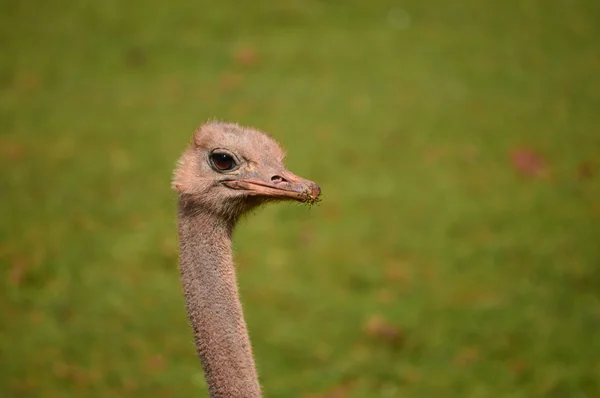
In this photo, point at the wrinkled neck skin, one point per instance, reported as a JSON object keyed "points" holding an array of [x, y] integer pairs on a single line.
{"points": [[213, 304]]}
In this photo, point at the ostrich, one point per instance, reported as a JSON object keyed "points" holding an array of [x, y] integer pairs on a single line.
{"points": [[226, 171]]}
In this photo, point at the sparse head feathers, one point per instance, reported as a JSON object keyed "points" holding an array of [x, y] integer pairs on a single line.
{"points": [[231, 169], [248, 142], [252, 146]]}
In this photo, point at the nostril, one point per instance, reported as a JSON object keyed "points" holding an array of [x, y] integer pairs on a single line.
{"points": [[278, 179]]}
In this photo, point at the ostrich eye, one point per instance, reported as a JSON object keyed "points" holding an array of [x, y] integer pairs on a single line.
{"points": [[222, 161]]}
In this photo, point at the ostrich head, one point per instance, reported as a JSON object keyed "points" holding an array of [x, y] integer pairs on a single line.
{"points": [[229, 169]]}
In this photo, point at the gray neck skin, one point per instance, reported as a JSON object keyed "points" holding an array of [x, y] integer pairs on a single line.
{"points": [[213, 304]]}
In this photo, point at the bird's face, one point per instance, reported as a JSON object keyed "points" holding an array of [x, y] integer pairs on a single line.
{"points": [[231, 169]]}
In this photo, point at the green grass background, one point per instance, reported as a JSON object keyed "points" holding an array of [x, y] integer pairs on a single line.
{"points": [[432, 268]]}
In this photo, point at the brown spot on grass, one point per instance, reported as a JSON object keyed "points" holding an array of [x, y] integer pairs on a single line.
{"points": [[585, 170], [241, 109], [246, 56], [84, 221], [379, 328], [230, 81], [129, 385], [339, 391], [528, 162], [471, 154], [307, 236], [398, 274], [155, 363], [18, 270], [60, 369], [12, 151], [517, 366], [386, 296], [135, 57], [331, 211], [411, 375], [172, 89], [475, 296], [80, 377], [595, 210], [433, 155], [466, 356], [27, 81], [37, 317], [24, 385]]}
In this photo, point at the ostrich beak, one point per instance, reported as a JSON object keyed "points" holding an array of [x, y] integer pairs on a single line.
{"points": [[284, 185]]}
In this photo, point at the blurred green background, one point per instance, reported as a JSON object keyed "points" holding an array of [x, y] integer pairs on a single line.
{"points": [[455, 254]]}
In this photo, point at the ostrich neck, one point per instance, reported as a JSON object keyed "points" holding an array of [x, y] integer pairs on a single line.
{"points": [[213, 304]]}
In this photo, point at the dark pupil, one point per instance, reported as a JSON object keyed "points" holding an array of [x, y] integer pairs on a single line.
{"points": [[222, 161]]}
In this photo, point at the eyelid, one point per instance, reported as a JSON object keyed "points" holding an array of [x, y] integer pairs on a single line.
{"points": [[226, 151], [236, 161]]}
